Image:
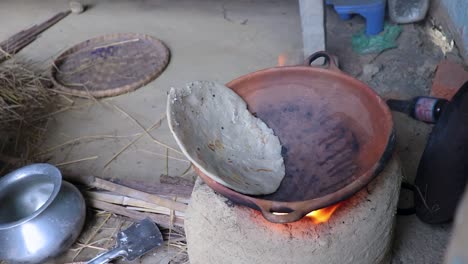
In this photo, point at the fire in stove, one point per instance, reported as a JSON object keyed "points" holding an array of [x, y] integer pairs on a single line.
{"points": [[322, 215], [282, 60], [319, 216]]}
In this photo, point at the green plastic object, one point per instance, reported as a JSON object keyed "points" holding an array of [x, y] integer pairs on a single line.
{"points": [[364, 44]]}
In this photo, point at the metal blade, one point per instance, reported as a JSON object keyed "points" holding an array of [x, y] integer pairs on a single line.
{"points": [[139, 238]]}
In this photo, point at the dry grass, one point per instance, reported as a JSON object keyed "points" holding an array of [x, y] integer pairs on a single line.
{"points": [[89, 240], [24, 96], [25, 104]]}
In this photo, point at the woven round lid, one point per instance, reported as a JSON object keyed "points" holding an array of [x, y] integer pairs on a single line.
{"points": [[110, 65]]}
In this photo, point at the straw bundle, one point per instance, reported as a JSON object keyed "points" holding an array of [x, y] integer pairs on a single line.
{"points": [[24, 102], [23, 95]]}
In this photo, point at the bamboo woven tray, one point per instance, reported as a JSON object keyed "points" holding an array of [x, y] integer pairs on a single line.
{"points": [[110, 65]]}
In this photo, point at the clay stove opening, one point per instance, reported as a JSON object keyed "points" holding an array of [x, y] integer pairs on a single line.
{"points": [[318, 216]]}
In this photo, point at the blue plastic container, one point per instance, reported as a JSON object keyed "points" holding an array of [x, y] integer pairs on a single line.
{"points": [[372, 10]]}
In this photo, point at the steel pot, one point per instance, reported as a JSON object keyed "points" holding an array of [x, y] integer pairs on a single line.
{"points": [[336, 133], [40, 215]]}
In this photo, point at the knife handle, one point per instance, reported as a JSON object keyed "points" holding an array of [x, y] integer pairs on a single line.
{"points": [[107, 256]]}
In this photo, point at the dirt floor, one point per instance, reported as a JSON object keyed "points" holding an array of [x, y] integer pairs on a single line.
{"points": [[215, 40], [209, 40]]}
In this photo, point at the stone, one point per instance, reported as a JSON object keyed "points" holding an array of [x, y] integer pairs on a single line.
{"points": [[360, 230], [449, 77], [369, 70], [76, 7]]}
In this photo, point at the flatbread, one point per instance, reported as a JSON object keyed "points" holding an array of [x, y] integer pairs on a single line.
{"points": [[217, 133]]}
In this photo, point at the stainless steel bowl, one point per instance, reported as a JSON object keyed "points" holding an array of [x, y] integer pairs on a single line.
{"points": [[40, 215]]}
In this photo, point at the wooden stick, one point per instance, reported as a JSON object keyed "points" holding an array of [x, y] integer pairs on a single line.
{"points": [[76, 161], [117, 43], [150, 198], [90, 246], [129, 202], [71, 141], [163, 190], [156, 211], [161, 220], [162, 155], [83, 245], [176, 180]]}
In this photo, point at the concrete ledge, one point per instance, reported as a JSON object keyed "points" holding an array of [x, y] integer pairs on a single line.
{"points": [[313, 25]]}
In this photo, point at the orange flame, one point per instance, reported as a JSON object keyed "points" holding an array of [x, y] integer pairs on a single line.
{"points": [[282, 60], [322, 215]]}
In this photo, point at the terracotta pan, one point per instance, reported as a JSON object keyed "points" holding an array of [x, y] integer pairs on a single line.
{"points": [[336, 133]]}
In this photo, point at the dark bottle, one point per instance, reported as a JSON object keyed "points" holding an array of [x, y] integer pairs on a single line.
{"points": [[422, 108]]}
